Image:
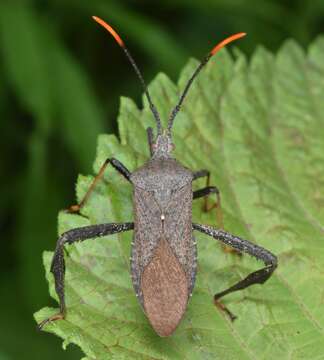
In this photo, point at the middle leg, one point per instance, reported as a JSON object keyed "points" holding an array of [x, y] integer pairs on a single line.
{"points": [[200, 174], [205, 192]]}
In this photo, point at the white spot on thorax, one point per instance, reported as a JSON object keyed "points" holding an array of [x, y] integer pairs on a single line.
{"points": [[162, 217]]}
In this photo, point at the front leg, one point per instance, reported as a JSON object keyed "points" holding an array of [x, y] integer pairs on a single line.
{"points": [[117, 166], [58, 263], [241, 245]]}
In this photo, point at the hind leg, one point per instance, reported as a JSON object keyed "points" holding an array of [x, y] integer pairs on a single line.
{"points": [[243, 246], [58, 263]]}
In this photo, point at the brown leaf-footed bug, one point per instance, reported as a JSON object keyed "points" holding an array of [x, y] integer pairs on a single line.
{"points": [[164, 252]]}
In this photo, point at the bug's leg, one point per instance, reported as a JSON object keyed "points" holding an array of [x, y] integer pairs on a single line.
{"points": [[201, 173], [150, 140], [205, 192], [58, 263], [243, 246], [117, 165], [217, 205]]}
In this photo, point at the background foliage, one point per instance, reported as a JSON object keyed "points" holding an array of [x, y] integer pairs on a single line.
{"points": [[61, 79]]}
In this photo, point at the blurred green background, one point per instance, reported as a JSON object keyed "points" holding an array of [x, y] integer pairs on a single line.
{"points": [[61, 77]]}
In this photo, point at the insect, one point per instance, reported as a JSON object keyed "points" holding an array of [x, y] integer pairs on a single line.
{"points": [[164, 253]]}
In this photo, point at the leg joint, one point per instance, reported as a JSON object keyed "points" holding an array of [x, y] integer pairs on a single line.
{"points": [[272, 262], [64, 238], [213, 189], [107, 161]]}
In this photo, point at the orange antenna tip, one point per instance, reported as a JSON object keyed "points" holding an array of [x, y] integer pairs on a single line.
{"points": [[226, 41], [110, 30]]}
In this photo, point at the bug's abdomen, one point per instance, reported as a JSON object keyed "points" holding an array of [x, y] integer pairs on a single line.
{"points": [[163, 261], [164, 287]]}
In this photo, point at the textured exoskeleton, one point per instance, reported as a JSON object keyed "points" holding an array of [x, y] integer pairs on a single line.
{"points": [[164, 252]]}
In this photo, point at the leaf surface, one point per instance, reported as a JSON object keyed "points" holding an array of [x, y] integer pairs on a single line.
{"points": [[258, 127]]}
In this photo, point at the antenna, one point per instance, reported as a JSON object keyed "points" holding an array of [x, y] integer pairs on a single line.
{"points": [[197, 71], [132, 61]]}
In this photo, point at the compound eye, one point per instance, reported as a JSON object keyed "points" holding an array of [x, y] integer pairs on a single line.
{"points": [[154, 146], [171, 147]]}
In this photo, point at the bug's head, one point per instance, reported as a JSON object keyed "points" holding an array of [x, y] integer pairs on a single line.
{"points": [[163, 146]]}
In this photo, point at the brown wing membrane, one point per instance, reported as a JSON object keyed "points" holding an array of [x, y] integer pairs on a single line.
{"points": [[165, 290]]}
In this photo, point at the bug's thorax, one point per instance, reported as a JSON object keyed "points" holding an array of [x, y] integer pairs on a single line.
{"points": [[162, 177], [162, 174]]}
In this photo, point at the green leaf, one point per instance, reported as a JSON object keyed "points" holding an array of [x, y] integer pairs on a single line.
{"points": [[258, 127]]}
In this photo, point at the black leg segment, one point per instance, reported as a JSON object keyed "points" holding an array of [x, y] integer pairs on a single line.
{"points": [[119, 167], [205, 192], [202, 173], [116, 165], [69, 237], [241, 245]]}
